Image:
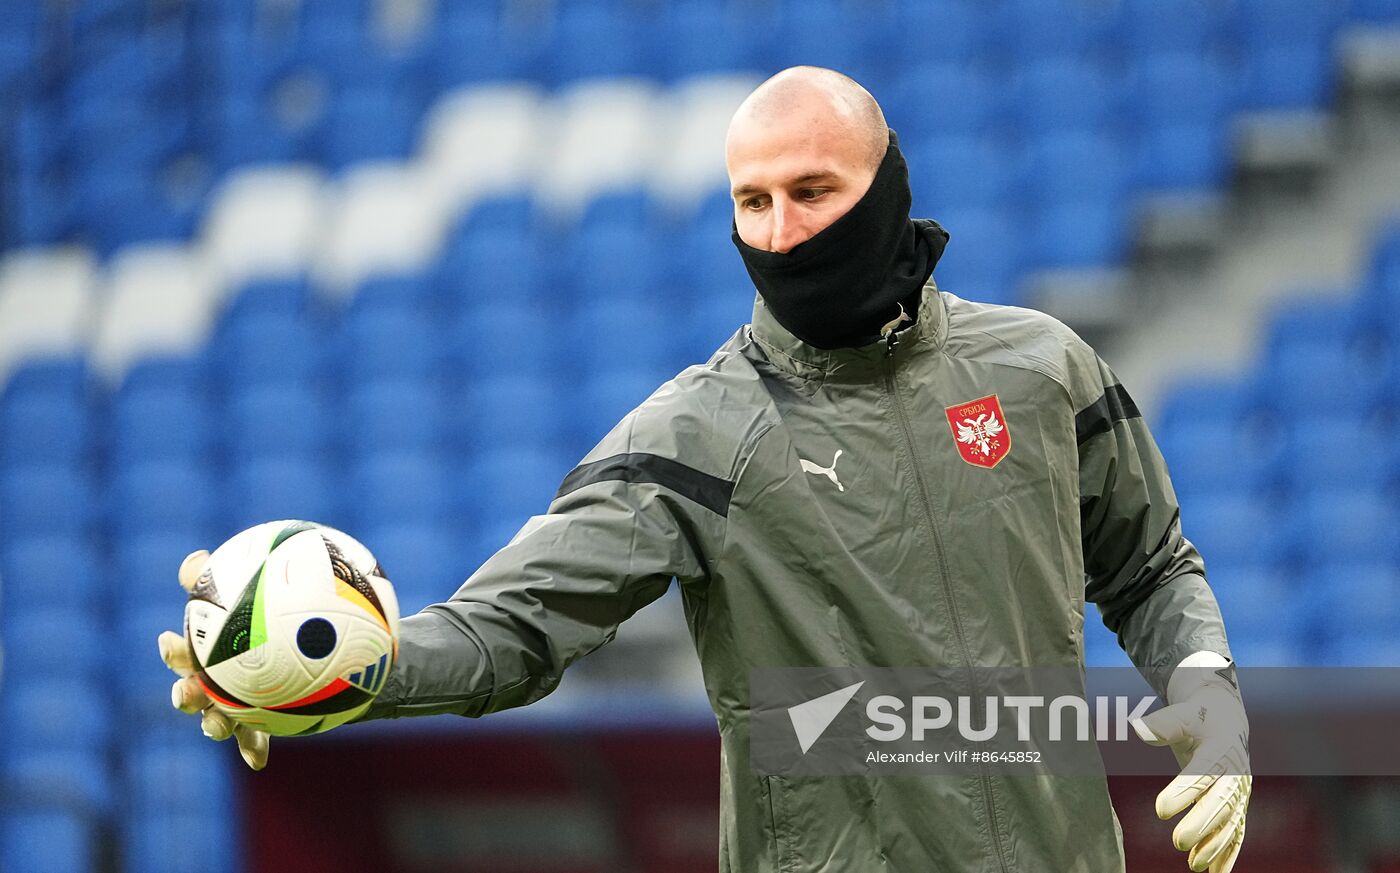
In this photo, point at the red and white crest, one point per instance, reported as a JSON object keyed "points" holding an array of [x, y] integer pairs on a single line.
{"points": [[980, 431]]}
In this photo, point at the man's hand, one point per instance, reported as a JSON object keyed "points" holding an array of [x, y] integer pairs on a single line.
{"points": [[1206, 727], [187, 695]]}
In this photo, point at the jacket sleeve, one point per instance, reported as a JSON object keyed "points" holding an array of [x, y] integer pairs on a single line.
{"points": [[630, 518], [1147, 579]]}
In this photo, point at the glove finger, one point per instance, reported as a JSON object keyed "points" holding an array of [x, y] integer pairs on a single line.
{"points": [[253, 745], [191, 567], [1226, 862], [188, 696], [1181, 792], [216, 726], [1206, 852], [1210, 812], [1166, 726], [176, 653]]}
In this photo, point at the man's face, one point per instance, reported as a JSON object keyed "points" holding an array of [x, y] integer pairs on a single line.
{"points": [[793, 176]]}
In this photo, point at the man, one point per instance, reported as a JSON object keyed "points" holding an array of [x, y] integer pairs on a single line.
{"points": [[818, 506]]}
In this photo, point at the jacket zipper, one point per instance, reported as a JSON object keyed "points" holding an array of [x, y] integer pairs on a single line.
{"points": [[907, 429]]}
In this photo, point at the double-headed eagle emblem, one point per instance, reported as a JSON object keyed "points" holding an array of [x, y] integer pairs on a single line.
{"points": [[980, 431]]}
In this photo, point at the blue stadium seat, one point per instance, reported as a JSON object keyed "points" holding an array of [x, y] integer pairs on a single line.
{"points": [[1375, 11], [161, 425], [145, 566], [1177, 158], [47, 841], [37, 137], [603, 398], [66, 375], [1078, 167], [1329, 451], [425, 562], [270, 488], [1196, 27], [1218, 452], [278, 420], [1062, 28], [1237, 529], [695, 37], [246, 129], [472, 48], [46, 500], [510, 485], [1079, 235], [45, 429], [984, 256], [1355, 523], [633, 208], [286, 297], [610, 334], [509, 411], [488, 265], [50, 570], [404, 292], [951, 99], [1180, 105], [62, 713], [1202, 399], [140, 682], [709, 322], [397, 488], [512, 213], [588, 40], [401, 414], [1258, 601], [1309, 379], [48, 642], [823, 33], [193, 774], [1067, 95], [1180, 88], [369, 123], [74, 779], [915, 31], [177, 373], [706, 258], [504, 337], [952, 173], [175, 839], [387, 342], [617, 261], [1287, 44], [1355, 597], [272, 349], [161, 495]]}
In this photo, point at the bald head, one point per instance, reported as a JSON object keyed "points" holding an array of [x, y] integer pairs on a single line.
{"points": [[801, 150], [831, 101]]}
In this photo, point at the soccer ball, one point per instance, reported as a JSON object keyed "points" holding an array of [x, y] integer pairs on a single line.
{"points": [[294, 627]]}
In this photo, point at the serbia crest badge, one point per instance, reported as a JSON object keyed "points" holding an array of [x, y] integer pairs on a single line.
{"points": [[979, 431]]}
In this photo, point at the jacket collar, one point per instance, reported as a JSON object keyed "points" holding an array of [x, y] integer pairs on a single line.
{"points": [[797, 357]]}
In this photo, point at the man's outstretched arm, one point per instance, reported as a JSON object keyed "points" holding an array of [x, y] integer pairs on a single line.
{"points": [[623, 525]]}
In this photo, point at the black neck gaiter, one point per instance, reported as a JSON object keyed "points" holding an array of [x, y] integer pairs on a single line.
{"points": [[840, 287]]}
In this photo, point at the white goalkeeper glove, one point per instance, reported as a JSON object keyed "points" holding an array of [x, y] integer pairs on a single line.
{"points": [[1205, 725], [187, 695]]}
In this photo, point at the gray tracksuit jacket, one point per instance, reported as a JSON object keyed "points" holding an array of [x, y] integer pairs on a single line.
{"points": [[935, 538]]}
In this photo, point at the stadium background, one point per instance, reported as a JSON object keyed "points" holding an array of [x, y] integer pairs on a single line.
{"points": [[395, 265]]}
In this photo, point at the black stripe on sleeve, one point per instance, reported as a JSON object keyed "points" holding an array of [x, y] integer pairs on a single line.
{"points": [[1099, 417], [711, 492]]}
